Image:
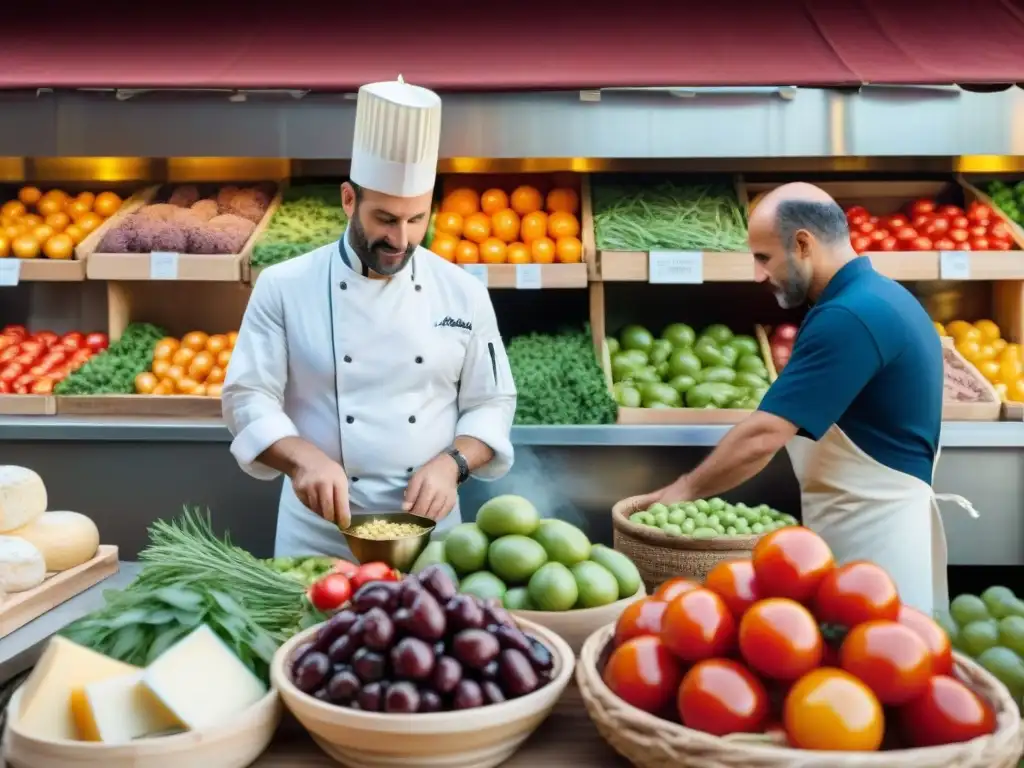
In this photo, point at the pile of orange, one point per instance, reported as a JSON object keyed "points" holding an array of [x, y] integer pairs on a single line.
{"points": [[1000, 361], [51, 224], [193, 365], [497, 227]]}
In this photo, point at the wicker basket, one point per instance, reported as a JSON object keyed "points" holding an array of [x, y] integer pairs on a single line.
{"points": [[659, 556], [650, 742]]}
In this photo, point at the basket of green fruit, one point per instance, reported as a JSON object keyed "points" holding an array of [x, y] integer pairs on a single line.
{"points": [[691, 537], [543, 570]]}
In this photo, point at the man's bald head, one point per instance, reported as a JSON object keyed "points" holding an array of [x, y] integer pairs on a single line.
{"points": [[798, 235]]}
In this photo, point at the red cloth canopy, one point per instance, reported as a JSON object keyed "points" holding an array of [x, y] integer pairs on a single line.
{"points": [[513, 46]]}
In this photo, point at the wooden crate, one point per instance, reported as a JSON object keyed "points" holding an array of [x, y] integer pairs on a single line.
{"points": [[19, 608], [531, 276], [186, 266], [763, 333], [989, 409], [42, 269], [27, 405], [634, 266], [886, 197]]}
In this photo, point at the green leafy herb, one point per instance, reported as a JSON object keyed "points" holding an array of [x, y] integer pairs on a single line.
{"points": [[113, 372], [309, 217]]}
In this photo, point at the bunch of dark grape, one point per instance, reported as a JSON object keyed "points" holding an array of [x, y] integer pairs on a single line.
{"points": [[418, 646]]}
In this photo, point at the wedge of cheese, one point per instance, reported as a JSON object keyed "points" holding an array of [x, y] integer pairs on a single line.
{"points": [[201, 681], [22, 497], [46, 700], [119, 709]]}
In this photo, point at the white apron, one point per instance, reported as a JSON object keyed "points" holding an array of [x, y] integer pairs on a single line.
{"points": [[390, 419], [867, 511]]}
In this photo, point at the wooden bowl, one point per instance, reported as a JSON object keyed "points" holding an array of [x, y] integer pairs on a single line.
{"points": [[577, 625], [473, 738], [234, 744]]}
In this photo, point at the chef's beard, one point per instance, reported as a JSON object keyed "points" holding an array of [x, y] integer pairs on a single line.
{"points": [[378, 255], [794, 288]]}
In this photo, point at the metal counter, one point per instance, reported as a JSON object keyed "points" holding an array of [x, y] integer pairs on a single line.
{"points": [[126, 473]]}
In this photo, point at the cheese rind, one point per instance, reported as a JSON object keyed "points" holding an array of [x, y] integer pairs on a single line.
{"points": [[22, 497], [46, 698], [65, 539], [22, 566], [118, 710], [201, 682]]}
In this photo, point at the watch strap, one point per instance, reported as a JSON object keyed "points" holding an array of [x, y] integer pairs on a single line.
{"points": [[461, 462]]}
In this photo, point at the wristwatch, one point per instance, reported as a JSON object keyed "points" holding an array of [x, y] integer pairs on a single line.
{"points": [[461, 463]]}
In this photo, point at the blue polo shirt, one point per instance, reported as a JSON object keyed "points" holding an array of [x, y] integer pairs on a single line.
{"points": [[867, 358]]}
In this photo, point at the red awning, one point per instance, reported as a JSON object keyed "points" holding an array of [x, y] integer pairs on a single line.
{"points": [[518, 46]]}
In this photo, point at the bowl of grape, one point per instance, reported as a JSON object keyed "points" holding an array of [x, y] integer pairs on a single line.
{"points": [[413, 671]]}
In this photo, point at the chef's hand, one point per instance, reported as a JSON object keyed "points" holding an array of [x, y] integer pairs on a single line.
{"points": [[433, 490], [670, 494], [322, 485]]}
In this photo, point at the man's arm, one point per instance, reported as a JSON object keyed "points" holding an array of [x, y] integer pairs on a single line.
{"points": [[834, 358]]}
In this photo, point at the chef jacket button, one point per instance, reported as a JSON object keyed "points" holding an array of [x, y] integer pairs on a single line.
{"points": [[408, 470], [347, 359], [349, 419], [419, 287], [355, 479], [412, 419], [343, 286], [419, 359]]}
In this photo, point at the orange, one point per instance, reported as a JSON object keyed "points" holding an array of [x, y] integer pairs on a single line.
{"points": [[989, 369], [505, 225], [989, 330], [31, 220], [59, 247], [463, 201], [1015, 392], [76, 209], [477, 227], [493, 200], [89, 221], [444, 245], [534, 225], [106, 204], [492, 251], [561, 224], [42, 233], [467, 253], [526, 199], [449, 222], [76, 233], [563, 200], [518, 253], [13, 209], [29, 195], [58, 221], [88, 198], [543, 250], [569, 250]]}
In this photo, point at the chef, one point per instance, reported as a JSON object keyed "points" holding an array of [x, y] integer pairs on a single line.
{"points": [[858, 406], [370, 372]]}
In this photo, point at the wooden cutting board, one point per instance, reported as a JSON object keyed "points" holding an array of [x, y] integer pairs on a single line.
{"points": [[19, 608]]}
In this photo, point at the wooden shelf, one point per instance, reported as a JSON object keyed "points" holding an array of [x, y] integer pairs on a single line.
{"points": [[634, 266]]}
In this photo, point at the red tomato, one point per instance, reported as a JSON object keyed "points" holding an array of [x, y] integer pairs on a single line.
{"points": [[43, 387], [950, 210], [857, 592], [896, 220], [936, 228], [7, 341], [980, 244], [733, 581], [879, 235], [5, 387], [979, 212], [35, 346], [861, 243], [346, 568], [97, 342], [15, 330], [856, 220], [368, 572], [921, 244], [856, 210], [330, 593], [922, 221], [922, 206], [888, 658], [999, 231], [944, 244], [697, 625], [934, 637], [905, 234], [865, 228], [889, 244], [978, 230], [643, 617], [780, 639], [948, 712], [72, 341], [46, 338], [9, 354], [720, 697], [28, 359], [831, 710], [11, 372], [644, 673], [40, 370], [673, 588], [791, 562], [959, 222], [1001, 245]]}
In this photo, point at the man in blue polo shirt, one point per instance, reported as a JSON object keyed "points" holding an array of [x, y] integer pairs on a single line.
{"points": [[858, 406]]}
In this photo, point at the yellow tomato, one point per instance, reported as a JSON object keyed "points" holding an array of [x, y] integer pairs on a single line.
{"points": [[183, 357], [986, 352], [232, 339], [217, 343], [186, 385], [175, 373], [200, 366], [160, 367], [989, 330], [213, 390], [970, 349], [999, 345], [165, 348], [1011, 368], [1015, 393], [223, 358], [1013, 349], [1001, 390], [958, 327], [215, 376], [989, 369], [145, 383], [939, 329], [195, 340], [165, 387]]}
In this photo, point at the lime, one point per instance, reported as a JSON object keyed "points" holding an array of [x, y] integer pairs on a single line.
{"points": [[636, 337], [465, 548], [517, 599], [612, 344], [679, 335], [1001, 602], [508, 514], [431, 555], [682, 382], [683, 362], [968, 608], [1007, 667], [514, 559], [979, 636], [621, 567], [719, 332], [595, 584], [567, 544], [660, 351], [626, 396], [553, 588], [483, 585], [671, 529], [1011, 633]]}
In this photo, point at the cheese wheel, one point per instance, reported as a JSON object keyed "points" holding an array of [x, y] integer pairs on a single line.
{"points": [[65, 539], [22, 497], [21, 565]]}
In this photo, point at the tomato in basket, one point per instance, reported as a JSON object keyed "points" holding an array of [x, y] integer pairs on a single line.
{"points": [[833, 711], [780, 639], [934, 637], [889, 658], [857, 592], [734, 582], [673, 588], [791, 562], [640, 618], [698, 625], [948, 712], [720, 696], [644, 672]]}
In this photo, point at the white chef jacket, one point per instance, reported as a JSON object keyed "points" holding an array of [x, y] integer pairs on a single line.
{"points": [[416, 361]]}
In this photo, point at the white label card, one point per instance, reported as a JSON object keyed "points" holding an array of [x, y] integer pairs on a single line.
{"points": [[163, 266], [679, 267], [479, 271], [528, 276], [10, 271], [955, 265]]}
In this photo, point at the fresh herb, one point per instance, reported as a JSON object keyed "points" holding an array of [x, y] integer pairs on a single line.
{"points": [[668, 216], [309, 217], [1009, 198], [113, 372]]}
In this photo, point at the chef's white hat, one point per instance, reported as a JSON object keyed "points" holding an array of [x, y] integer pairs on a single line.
{"points": [[397, 135]]}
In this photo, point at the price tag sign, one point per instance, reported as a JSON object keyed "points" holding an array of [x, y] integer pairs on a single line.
{"points": [[163, 266], [10, 271], [528, 276], [479, 271], [676, 267], [955, 265]]}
